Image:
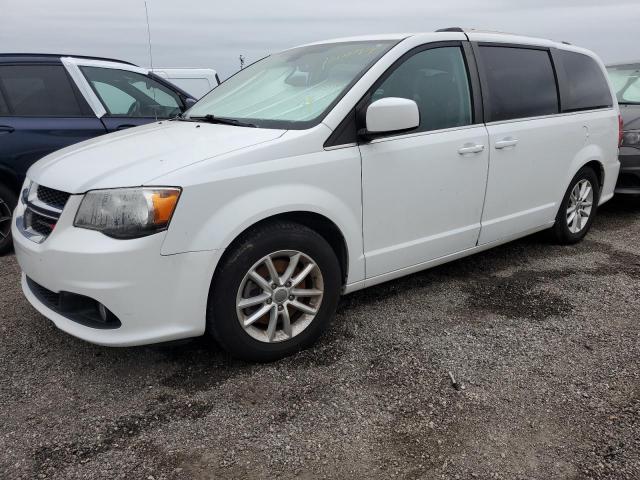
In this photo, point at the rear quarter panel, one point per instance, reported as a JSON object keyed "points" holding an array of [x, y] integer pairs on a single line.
{"points": [[601, 145]]}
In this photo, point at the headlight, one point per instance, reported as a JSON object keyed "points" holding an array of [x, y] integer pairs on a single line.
{"points": [[631, 138], [127, 212]]}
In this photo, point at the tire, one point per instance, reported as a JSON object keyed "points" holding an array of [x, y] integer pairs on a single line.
{"points": [[235, 327], [8, 202], [569, 230]]}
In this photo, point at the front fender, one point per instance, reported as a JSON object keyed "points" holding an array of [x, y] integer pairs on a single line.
{"points": [[211, 215]]}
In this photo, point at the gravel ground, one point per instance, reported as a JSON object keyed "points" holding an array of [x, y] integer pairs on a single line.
{"points": [[543, 342]]}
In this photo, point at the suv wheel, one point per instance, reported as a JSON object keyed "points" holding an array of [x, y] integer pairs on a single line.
{"points": [[578, 207], [275, 292], [8, 202]]}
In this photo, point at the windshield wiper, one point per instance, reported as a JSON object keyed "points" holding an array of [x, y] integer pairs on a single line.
{"points": [[628, 103], [222, 120]]}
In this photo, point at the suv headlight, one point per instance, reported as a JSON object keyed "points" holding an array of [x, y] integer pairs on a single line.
{"points": [[128, 212], [631, 138]]}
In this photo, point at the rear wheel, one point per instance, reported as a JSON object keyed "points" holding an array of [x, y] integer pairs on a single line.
{"points": [[8, 202], [578, 207], [275, 293]]}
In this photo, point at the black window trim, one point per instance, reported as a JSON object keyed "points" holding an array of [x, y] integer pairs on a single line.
{"points": [[85, 108], [346, 134], [486, 97]]}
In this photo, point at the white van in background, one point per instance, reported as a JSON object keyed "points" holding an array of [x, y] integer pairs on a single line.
{"points": [[195, 81]]}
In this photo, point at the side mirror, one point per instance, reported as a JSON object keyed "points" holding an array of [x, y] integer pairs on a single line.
{"points": [[189, 102], [389, 115]]}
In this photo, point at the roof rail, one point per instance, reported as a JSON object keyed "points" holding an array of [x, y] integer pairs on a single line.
{"points": [[58, 55], [451, 29]]}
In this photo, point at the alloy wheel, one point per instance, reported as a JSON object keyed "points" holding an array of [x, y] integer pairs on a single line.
{"points": [[580, 206], [5, 220], [279, 296]]}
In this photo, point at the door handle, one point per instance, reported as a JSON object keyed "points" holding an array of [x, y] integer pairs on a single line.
{"points": [[470, 149], [6, 129], [506, 143], [125, 126]]}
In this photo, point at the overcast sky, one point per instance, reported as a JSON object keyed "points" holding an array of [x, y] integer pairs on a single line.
{"points": [[212, 33]]}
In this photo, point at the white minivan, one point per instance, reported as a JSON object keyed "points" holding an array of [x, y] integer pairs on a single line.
{"points": [[315, 172], [195, 81]]}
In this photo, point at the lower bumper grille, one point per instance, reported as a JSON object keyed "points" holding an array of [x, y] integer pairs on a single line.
{"points": [[78, 308], [42, 225]]}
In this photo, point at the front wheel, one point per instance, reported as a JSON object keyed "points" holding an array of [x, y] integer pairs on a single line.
{"points": [[275, 292], [578, 208]]}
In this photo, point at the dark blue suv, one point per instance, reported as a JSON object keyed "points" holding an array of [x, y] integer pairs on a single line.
{"points": [[50, 101]]}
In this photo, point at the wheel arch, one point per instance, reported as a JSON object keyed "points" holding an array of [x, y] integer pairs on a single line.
{"points": [[317, 222], [591, 156], [598, 167]]}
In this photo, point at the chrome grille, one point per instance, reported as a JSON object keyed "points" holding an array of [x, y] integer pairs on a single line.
{"points": [[39, 223], [43, 209]]}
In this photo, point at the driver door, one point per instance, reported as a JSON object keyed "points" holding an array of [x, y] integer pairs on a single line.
{"points": [[423, 192], [130, 98]]}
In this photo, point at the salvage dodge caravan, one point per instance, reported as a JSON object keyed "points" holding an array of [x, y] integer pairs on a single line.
{"points": [[312, 173]]}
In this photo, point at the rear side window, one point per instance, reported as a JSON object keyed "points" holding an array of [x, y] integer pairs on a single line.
{"points": [[586, 86], [38, 91], [520, 82]]}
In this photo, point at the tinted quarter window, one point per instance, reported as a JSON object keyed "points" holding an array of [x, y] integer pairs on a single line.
{"points": [[521, 82], [436, 79], [38, 91], [586, 86], [130, 94]]}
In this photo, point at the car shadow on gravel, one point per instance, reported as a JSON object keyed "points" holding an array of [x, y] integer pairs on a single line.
{"points": [[518, 294]]}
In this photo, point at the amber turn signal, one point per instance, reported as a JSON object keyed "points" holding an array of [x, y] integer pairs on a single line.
{"points": [[164, 203]]}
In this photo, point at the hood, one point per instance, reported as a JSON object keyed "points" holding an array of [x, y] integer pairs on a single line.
{"points": [[138, 155], [630, 116]]}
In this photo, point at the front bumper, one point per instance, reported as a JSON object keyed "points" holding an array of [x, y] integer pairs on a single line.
{"points": [[156, 298], [629, 177]]}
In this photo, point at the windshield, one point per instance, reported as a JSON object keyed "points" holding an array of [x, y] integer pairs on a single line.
{"points": [[293, 89], [626, 82]]}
